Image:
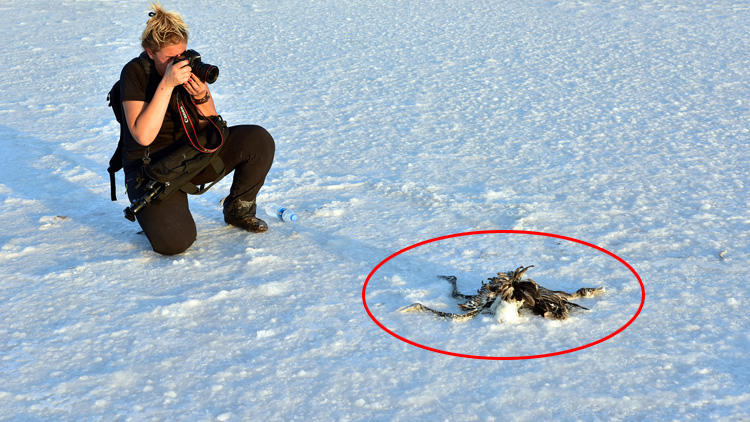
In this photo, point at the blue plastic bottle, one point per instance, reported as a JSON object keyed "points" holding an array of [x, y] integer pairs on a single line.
{"points": [[282, 213]]}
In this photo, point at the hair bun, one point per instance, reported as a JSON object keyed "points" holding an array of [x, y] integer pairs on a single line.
{"points": [[163, 28]]}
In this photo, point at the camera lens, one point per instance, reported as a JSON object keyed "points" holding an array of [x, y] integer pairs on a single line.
{"points": [[208, 73]]}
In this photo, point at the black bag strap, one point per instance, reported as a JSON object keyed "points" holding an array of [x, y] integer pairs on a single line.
{"points": [[115, 163], [112, 184], [218, 166]]}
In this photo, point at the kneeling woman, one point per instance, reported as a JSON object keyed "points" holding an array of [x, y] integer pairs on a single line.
{"points": [[149, 86]]}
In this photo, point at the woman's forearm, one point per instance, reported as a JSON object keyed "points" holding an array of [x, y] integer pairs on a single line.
{"points": [[206, 109], [145, 119]]}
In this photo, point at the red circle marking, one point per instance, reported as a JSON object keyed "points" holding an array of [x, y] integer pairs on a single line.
{"points": [[534, 233]]}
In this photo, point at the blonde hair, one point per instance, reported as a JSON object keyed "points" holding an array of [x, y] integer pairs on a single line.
{"points": [[163, 28]]}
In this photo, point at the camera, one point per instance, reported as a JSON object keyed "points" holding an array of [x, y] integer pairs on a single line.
{"points": [[204, 71]]}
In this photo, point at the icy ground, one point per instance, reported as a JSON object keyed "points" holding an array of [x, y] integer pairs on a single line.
{"points": [[620, 123]]}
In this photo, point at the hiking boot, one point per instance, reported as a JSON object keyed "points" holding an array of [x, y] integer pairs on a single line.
{"points": [[242, 214]]}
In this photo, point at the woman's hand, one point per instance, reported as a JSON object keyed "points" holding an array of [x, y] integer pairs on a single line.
{"points": [[177, 73], [195, 87], [198, 90]]}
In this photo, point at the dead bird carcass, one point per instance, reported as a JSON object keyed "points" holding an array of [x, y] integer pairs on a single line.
{"points": [[509, 287]]}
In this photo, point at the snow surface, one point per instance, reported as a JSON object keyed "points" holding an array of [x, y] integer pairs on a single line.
{"points": [[620, 123]]}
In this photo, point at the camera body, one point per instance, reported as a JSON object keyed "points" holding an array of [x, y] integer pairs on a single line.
{"points": [[204, 71]]}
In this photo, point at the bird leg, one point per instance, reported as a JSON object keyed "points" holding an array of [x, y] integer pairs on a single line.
{"points": [[418, 307]]}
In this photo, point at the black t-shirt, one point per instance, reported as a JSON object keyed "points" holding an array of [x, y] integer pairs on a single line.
{"points": [[137, 85]]}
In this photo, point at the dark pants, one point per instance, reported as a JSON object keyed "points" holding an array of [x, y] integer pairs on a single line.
{"points": [[248, 151]]}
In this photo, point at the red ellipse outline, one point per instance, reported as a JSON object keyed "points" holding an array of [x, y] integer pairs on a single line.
{"points": [[535, 233]]}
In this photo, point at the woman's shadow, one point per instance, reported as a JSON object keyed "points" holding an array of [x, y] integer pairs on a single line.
{"points": [[42, 182]]}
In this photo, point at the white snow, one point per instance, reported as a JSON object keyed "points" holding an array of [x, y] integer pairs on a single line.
{"points": [[620, 123]]}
